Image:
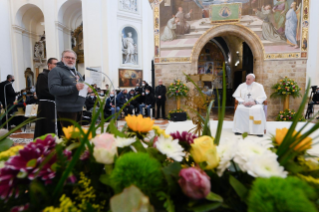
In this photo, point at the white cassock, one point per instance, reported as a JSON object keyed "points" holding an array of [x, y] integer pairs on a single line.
{"points": [[250, 119]]}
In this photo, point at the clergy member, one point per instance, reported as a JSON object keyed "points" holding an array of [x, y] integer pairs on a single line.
{"points": [[250, 116]]}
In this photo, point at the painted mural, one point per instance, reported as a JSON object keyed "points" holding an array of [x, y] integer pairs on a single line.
{"points": [[281, 25]]}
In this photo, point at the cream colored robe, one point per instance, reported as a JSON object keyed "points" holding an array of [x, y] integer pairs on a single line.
{"points": [[250, 119]]}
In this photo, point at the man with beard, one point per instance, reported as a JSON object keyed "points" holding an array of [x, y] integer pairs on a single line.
{"points": [[65, 84], [46, 104]]}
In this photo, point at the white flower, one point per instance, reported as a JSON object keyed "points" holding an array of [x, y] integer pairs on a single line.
{"points": [[265, 166], [226, 152], [170, 148], [247, 149], [123, 142], [105, 156]]}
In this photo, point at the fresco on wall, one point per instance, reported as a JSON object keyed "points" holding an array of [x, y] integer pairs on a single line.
{"points": [[281, 25]]}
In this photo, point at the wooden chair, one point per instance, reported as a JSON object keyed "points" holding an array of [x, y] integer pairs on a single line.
{"points": [[265, 103]]}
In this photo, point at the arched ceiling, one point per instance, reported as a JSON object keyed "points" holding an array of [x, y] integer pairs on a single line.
{"points": [[29, 17], [70, 14]]}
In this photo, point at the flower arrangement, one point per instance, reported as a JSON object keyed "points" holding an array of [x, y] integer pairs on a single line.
{"points": [[286, 87], [177, 89], [288, 115], [141, 168]]}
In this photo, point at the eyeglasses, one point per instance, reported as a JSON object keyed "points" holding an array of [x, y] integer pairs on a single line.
{"points": [[70, 58]]}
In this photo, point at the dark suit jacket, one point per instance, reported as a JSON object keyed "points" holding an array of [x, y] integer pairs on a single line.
{"points": [[10, 93], [160, 91], [89, 103]]}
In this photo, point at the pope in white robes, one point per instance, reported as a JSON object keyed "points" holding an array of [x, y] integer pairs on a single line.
{"points": [[250, 116]]}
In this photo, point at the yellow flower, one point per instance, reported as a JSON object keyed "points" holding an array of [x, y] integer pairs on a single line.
{"points": [[71, 130], [139, 124], [303, 145], [280, 80], [10, 152], [159, 131], [204, 150]]}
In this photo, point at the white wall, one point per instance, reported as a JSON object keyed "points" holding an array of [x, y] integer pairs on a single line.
{"points": [[5, 41], [313, 51]]}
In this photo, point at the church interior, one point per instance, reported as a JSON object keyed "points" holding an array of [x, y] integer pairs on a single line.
{"points": [[233, 72]]}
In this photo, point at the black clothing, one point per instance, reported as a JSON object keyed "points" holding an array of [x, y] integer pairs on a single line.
{"points": [[143, 89], [315, 98], [46, 108], [149, 99], [76, 116], [160, 91], [10, 94], [89, 103], [62, 84]]}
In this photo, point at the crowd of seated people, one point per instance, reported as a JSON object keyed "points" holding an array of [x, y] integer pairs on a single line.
{"points": [[116, 99]]}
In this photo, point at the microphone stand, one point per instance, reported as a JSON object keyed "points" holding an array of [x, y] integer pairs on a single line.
{"points": [[115, 94]]}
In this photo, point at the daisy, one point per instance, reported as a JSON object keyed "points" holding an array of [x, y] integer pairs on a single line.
{"points": [[226, 151], [170, 148]]}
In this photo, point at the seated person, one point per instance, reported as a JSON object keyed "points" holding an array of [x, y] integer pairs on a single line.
{"points": [[134, 105], [148, 103], [250, 116], [23, 99], [101, 93], [122, 99], [34, 98], [90, 101], [110, 105]]}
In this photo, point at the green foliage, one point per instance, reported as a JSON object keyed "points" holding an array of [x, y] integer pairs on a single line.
{"points": [[288, 115], [278, 194], [137, 169], [5, 144], [286, 87], [177, 89]]}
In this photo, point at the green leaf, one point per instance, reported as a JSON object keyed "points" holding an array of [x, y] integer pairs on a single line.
{"points": [[214, 197], [244, 135], [5, 144], [138, 146], [240, 189], [207, 207], [113, 130], [105, 179]]}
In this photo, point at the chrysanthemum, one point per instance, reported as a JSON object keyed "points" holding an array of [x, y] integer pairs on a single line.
{"points": [[170, 148], [184, 137], [73, 131], [123, 142], [226, 151], [247, 149], [139, 124], [160, 131], [265, 166]]}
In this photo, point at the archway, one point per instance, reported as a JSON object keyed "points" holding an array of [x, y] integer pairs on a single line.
{"points": [[250, 38], [70, 30], [28, 31], [238, 48]]}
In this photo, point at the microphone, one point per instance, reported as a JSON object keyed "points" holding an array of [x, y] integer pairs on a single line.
{"points": [[91, 69]]}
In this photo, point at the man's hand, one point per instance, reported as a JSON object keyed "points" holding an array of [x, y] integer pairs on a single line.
{"points": [[159, 97], [254, 10], [79, 86]]}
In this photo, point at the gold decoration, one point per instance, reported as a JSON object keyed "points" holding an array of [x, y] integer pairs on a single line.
{"points": [[79, 48], [286, 102]]}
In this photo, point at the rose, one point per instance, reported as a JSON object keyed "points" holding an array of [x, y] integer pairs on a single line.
{"points": [[194, 182], [104, 148], [204, 150]]}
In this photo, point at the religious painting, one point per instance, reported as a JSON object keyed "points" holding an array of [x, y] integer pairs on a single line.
{"points": [[279, 24], [29, 78], [128, 5], [129, 41], [222, 13], [129, 78]]}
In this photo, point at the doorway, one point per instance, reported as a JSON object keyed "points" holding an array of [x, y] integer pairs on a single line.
{"points": [[238, 59]]}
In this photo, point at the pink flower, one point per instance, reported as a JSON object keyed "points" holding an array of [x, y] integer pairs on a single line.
{"points": [[104, 148], [185, 138], [20, 208], [194, 182]]}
